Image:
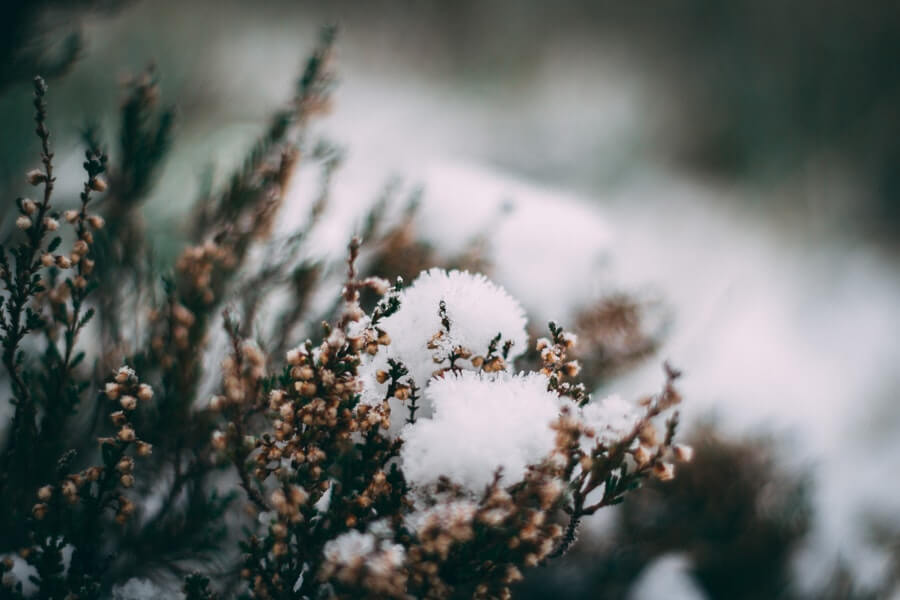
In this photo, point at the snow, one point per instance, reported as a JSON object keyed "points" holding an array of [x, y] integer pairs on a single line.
{"points": [[611, 418], [481, 423], [667, 577], [477, 310], [354, 547], [349, 547], [142, 589]]}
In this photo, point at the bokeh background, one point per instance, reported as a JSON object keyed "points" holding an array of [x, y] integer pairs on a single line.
{"points": [[732, 168]]}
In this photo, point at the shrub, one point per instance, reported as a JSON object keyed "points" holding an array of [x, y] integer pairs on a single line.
{"points": [[396, 452]]}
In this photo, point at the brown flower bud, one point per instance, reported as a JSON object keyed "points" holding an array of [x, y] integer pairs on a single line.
{"points": [[112, 390], [144, 449], [80, 247], [45, 493], [218, 440], [664, 471], [39, 511], [35, 177], [126, 434], [70, 490], [98, 184], [683, 453], [145, 392], [641, 455], [294, 357]]}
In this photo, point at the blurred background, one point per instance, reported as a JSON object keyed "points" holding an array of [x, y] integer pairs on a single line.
{"points": [[711, 183]]}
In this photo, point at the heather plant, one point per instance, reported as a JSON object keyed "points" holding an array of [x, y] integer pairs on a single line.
{"points": [[418, 442]]}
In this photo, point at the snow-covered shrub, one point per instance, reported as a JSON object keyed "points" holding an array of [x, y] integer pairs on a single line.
{"points": [[417, 444]]}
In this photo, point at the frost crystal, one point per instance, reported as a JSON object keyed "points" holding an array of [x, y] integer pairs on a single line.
{"points": [[355, 549], [349, 547], [611, 418], [445, 515], [142, 589], [476, 310], [481, 422]]}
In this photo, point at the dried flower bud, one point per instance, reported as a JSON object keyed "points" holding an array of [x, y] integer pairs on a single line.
{"points": [[96, 221], [664, 471], [79, 282], [298, 495], [294, 357], [126, 480], [572, 368], [47, 260], [126, 434], [51, 224], [63, 262], [35, 177], [279, 530], [126, 506], [649, 435], [381, 376], [39, 511], [218, 440], [126, 465], [683, 452], [28, 206], [112, 390], [128, 402], [145, 392], [641, 455], [45, 493], [306, 388], [87, 265], [144, 449], [98, 184], [71, 216], [70, 490], [23, 222], [183, 315], [80, 247]]}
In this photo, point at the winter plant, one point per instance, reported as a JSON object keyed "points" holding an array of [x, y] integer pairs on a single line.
{"points": [[419, 443]]}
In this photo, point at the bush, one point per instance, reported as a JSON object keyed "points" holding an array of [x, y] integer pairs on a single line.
{"points": [[398, 451]]}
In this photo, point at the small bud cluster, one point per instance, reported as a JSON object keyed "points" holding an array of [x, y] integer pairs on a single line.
{"points": [[342, 491], [360, 561], [196, 265], [125, 391]]}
